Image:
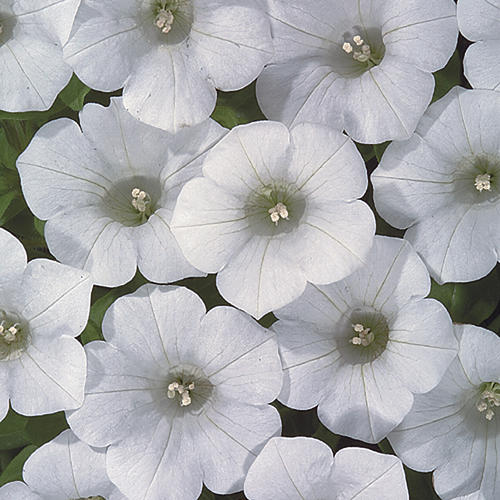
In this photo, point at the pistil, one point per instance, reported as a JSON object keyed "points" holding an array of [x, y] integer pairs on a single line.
{"points": [[364, 336]]}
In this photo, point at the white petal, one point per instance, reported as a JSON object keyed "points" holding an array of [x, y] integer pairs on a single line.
{"points": [[456, 244], [232, 42], [160, 258], [48, 377], [4, 391], [14, 257], [19, 491], [241, 357], [122, 395], [478, 19], [210, 224], [159, 461], [364, 403], [231, 437], [261, 277], [365, 475], [422, 34], [156, 325], [168, 90], [479, 350], [334, 239], [37, 72], [60, 169], [480, 64], [309, 357], [55, 298], [297, 468], [326, 163], [399, 276], [88, 239], [386, 102], [67, 468], [421, 345], [103, 49], [250, 156]]}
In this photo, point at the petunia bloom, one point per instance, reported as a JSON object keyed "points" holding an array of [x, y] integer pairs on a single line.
{"points": [[31, 56], [108, 191], [43, 306], [443, 184], [305, 468], [179, 395], [169, 55], [63, 468], [275, 209], [359, 349], [455, 428], [364, 67], [479, 21]]}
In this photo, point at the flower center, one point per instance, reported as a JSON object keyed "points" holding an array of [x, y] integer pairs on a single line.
{"points": [[489, 399], [165, 15], [364, 336], [141, 201], [483, 182], [358, 48], [14, 336], [277, 212], [180, 392]]}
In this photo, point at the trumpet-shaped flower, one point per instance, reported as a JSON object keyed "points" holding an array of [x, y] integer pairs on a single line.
{"points": [[169, 55], [63, 468], [275, 209], [361, 348], [43, 306], [455, 428], [364, 67], [304, 468], [443, 184], [179, 395], [108, 191], [479, 21], [31, 56]]}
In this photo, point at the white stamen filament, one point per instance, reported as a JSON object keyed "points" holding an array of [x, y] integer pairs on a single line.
{"points": [[140, 200], [164, 20], [490, 399], [279, 210], [482, 182], [364, 335], [182, 391], [363, 50]]}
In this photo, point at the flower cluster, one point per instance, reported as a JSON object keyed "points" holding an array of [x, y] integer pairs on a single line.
{"points": [[311, 325]]}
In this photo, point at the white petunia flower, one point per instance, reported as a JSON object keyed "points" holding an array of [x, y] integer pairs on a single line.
{"points": [[169, 55], [179, 395], [455, 428], [274, 210], [304, 468], [109, 189], [364, 67], [444, 185], [43, 306], [360, 348], [479, 21], [31, 56], [65, 468]]}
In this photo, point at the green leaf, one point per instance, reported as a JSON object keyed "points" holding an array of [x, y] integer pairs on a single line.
{"points": [[14, 471], [73, 95], [43, 428], [328, 437], [206, 495], [420, 485], [13, 431], [366, 151], [469, 302], [236, 108], [379, 149], [8, 154], [448, 77]]}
